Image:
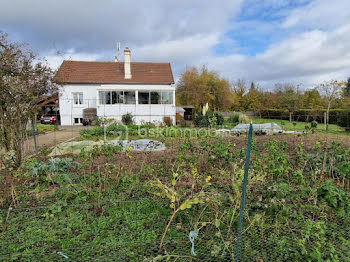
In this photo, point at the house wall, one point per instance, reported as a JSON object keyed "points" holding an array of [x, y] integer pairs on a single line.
{"points": [[141, 113]]}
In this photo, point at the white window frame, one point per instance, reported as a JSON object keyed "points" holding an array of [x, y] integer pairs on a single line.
{"points": [[115, 90], [161, 96], [79, 95], [80, 121]]}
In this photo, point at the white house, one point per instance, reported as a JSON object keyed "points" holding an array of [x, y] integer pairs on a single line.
{"points": [[145, 90]]}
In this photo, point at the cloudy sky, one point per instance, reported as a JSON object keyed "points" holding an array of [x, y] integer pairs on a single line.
{"points": [[266, 41]]}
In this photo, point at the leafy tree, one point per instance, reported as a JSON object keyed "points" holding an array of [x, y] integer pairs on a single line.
{"points": [[23, 83], [290, 97], [313, 100], [254, 99], [239, 90], [198, 87], [330, 90], [347, 89]]}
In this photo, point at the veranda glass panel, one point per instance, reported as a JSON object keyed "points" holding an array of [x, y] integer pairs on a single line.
{"points": [[129, 97], [105, 97], [156, 97], [143, 97], [167, 97], [117, 97]]}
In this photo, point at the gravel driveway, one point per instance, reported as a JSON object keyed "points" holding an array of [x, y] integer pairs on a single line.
{"points": [[51, 139]]}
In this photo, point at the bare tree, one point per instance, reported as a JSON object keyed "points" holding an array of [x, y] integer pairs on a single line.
{"points": [[330, 90], [23, 83]]}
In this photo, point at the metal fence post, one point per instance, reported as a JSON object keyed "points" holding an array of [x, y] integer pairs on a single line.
{"points": [[35, 134], [243, 197]]}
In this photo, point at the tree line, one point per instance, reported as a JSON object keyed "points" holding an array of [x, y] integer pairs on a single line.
{"points": [[198, 86]]}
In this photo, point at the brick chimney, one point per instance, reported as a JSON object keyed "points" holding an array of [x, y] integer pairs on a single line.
{"points": [[127, 64]]}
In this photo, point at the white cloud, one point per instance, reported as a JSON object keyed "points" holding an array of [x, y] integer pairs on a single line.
{"points": [[309, 45], [92, 26], [320, 14], [188, 48], [308, 58], [55, 59]]}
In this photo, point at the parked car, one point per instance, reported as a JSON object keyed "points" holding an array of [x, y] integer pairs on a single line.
{"points": [[48, 120]]}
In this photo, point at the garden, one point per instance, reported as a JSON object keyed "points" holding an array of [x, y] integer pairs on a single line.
{"points": [[110, 204]]}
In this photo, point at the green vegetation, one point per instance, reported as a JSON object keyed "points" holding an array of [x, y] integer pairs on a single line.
{"points": [[127, 119], [24, 81], [112, 130], [41, 129], [210, 119], [238, 118], [200, 86], [109, 205], [300, 126]]}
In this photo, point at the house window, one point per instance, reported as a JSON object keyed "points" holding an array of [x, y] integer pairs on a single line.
{"points": [[117, 97], [156, 97], [143, 97], [78, 98], [167, 97], [129, 97], [105, 97], [78, 120]]}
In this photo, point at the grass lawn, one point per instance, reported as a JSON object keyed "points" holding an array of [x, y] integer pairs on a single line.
{"points": [[300, 126], [295, 126]]}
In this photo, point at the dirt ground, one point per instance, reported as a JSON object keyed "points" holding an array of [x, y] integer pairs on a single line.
{"points": [[51, 139]]}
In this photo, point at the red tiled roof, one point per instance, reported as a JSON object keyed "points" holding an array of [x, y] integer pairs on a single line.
{"points": [[113, 73]]}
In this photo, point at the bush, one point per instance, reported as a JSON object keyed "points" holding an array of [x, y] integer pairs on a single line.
{"points": [[167, 121], [335, 197], [239, 118], [112, 130], [127, 119], [344, 120], [219, 119], [314, 124], [234, 118], [98, 131], [243, 119], [207, 120]]}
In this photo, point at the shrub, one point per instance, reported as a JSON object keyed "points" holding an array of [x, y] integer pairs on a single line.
{"points": [[314, 124], [111, 130], [335, 197], [167, 121], [244, 119], [98, 122], [219, 119], [49, 171], [210, 119], [344, 120], [234, 118], [239, 118], [127, 119], [201, 121]]}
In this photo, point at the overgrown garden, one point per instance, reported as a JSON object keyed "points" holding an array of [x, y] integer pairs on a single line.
{"points": [[111, 205]]}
